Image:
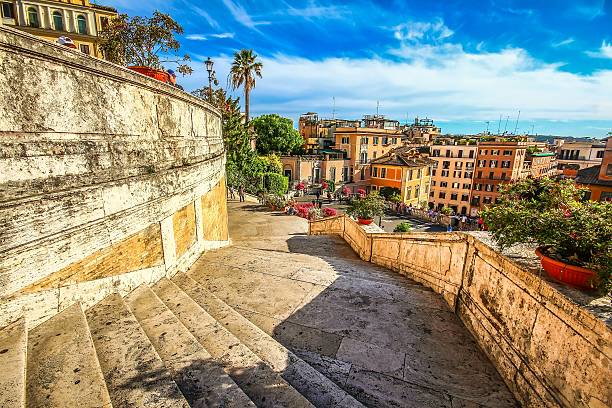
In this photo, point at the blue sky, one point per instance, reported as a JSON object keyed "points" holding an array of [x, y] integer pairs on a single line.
{"points": [[461, 63]]}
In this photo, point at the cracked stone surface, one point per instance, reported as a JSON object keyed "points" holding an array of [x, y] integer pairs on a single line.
{"points": [[383, 338]]}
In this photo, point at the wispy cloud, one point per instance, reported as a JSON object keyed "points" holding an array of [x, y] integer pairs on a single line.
{"points": [[315, 10], [204, 14], [241, 15], [605, 51], [590, 11], [419, 31], [563, 43], [205, 37]]}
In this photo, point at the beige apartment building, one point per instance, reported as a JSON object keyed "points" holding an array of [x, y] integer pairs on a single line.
{"points": [[574, 156], [80, 20], [452, 174]]}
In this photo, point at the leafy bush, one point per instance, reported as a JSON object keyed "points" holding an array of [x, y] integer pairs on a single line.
{"points": [[331, 186], [302, 209], [329, 212], [403, 227], [367, 207], [446, 210], [388, 192], [551, 214], [395, 198], [276, 183], [314, 213]]}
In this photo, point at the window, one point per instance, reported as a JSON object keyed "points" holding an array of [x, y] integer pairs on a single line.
{"points": [[456, 174], [363, 157], [420, 173], [443, 184], [385, 140], [600, 154], [332, 174], [33, 20], [478, 187], [469, 165], [609, 170], [104, 23], [375, 154], [436, 153], [468, 174], [458, 165], [467, 186], [455, 185], [362, 173], [58, 21], [84, 48], [444, 173], [345, 140], [410, 175], [395, 140], [482, 163], [495, 152], [375, 142], [491, 175], [465, 197], [487, 200], [7, 10], [383, 172], [433, 183], [442, 195], [489, 187], [471, 154], [505, 164], [507, 152], [454, 196], [345, 174], [433, 172], [82, 24], [460, 154], [445, 164], [479, 174], [503, 176], [493, 164], [417, 191], [364, 140], [449, 153], [374, 171]]}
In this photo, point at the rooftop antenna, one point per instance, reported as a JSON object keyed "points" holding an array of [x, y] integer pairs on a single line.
{"points": [[532, 126], [377, 106], [487, 131], [506, 127], [334, 108], [499, 124], [517, 120]]}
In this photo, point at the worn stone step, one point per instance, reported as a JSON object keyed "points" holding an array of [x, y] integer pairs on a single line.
{"points": [[262, 384], [202, 380], [319, 389], [13, 355], [62, 367], [134, 373]]}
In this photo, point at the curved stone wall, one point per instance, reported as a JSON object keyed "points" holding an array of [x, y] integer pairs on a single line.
{"points": [[107, 178]]}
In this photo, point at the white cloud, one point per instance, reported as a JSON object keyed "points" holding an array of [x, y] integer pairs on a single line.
{"points": [[419, 31], [223, 35], [565, 42], [605, 51], [315, 10], [460, 86], [205, 37], [203, 13], [196, 37], [241, 15]]}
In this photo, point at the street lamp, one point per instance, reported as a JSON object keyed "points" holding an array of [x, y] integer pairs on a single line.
{"points": [[211, 75]]}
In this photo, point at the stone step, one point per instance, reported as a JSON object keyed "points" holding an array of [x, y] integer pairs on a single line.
{"points": [[200, 378], [62, 367], [135, 375], [264, 387], [319, 389], [13, 355]]}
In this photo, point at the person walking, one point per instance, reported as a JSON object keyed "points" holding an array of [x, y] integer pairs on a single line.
{"points": [[241, 193], [232, 192]]}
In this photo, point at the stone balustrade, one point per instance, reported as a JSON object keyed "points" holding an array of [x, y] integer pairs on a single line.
{"points": [[549, 351]]}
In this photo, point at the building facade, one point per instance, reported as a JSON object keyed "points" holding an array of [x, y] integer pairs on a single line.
{"points": [[316, 168], [496, 163], [452, 174], [540, 164], [598, 179], [80, 20], [574, 156], [405, 169]]}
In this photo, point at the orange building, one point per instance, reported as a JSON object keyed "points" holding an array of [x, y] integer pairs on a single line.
{"points": [[599, 178], [451, 181], [496, 163], [405, 169]]}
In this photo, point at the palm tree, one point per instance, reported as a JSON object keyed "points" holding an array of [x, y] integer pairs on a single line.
{"points": [[245, 69]]}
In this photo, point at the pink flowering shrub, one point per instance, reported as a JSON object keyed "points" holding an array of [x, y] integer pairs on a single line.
{"points": [[361, 192], [329, 212], [300, 186], [346, 191]]}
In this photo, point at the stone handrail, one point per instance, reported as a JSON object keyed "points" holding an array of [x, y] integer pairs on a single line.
{"points": [[549, 351]]}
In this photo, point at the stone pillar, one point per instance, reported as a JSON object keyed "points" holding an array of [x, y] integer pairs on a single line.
{"points": [[168, 244], [74, 26], [91, 24]]}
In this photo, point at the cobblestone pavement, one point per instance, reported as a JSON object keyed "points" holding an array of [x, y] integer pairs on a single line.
{"points": [[385, 339]]}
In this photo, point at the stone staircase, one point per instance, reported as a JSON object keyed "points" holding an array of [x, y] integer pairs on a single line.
{"points": [[173, 344]]}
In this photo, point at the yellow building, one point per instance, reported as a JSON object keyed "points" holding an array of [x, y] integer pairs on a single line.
{"points": [[80, 20], [405, 169]]}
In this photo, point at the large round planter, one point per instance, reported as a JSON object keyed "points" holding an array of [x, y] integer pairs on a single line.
{"points": [[566, 273], [365, 221], [152, 73]]}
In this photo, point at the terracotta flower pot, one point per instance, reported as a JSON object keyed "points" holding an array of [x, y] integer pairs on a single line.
{"points": [[566, 273], [365, 221], [152, 73]]}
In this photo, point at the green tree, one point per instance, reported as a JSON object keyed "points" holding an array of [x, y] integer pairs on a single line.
{"points": [[243, 72], [143, 40], [276, 134]]}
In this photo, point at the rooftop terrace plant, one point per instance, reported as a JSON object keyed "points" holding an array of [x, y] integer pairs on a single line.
{"points": [[553, 215]]}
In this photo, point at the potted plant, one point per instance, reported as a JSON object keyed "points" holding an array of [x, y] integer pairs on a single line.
{"points": [[139, 43], [329, 212], [574, 237], [366, 208]]}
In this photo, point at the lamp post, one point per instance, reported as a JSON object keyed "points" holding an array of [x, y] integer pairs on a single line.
{"points": [[211, 74]]}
